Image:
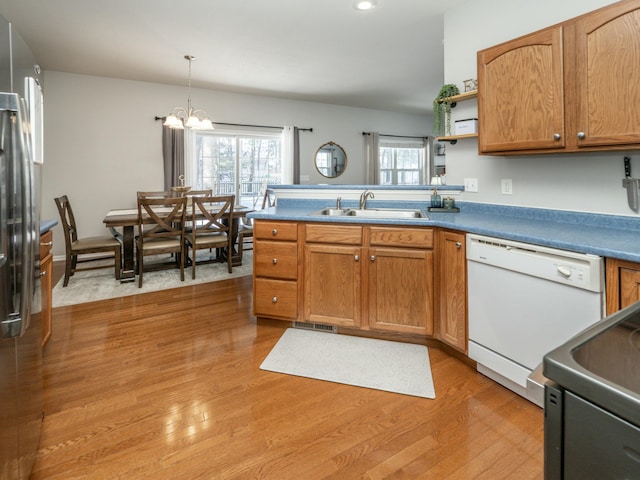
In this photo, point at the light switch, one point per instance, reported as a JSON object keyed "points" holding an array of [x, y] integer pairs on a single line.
{"points": [[506, 186]]}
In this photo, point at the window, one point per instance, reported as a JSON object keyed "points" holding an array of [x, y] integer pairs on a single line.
{"points": [[402, 161], [238, 163]]}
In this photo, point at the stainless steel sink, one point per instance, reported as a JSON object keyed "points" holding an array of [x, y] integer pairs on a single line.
{"points": [[332, 212], [373, 212]]}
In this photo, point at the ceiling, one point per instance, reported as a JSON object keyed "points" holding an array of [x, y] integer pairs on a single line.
{"points": [[389, 58]]}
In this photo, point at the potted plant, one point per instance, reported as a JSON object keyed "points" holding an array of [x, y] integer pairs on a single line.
{"points": [[442, 109]]}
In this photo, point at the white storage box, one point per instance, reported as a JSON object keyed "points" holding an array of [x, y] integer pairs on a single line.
{"points": [[465, 127]]}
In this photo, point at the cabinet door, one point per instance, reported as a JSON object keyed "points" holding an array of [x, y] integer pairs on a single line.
{"points": [[521, 94], [46, 284], [401, 290], [332, 284], [46, 269], [623, 284], [629, 286], [608, 83], [452, 321]]}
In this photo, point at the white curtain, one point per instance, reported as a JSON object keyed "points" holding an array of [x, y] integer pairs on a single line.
{"points": [[290, 155], [372, 151]]}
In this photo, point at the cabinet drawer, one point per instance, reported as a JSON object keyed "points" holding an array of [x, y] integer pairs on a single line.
{"points": [[401, 237], [276, 259], [275, 298], [275, 231], [340, 234], [46, 242]]}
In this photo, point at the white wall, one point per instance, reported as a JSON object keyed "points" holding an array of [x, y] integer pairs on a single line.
{"points": [[582, 182], [102, 143]]}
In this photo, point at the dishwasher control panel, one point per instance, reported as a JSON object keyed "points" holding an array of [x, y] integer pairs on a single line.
{"points": [[570, 268]]}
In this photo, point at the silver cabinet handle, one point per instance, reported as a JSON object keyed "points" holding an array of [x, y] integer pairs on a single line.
{"points": [[581, 135], [274, 300], [48, 244], [372, 258], [356, 257], [458, 245], [556, 136], [274, 261], [274, 231], [43, 273]]}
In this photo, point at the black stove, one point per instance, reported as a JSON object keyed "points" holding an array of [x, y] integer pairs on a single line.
{"points": [[592, 404]]}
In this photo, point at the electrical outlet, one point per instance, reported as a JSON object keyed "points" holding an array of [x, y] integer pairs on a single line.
{"points": [[470, 184], [507, 186]]}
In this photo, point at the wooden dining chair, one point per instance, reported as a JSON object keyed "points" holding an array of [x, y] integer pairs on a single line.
{"points": [[75, 246], [199, 193], [160, 230], [245, 226], [212, 229], [156, 194]]}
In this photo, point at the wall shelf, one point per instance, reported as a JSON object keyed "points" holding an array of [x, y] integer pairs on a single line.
{"points": [[460, 97], [453, 139]]}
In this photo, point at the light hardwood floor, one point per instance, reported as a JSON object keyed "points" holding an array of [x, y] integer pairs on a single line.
{"points": [[166, 385]]}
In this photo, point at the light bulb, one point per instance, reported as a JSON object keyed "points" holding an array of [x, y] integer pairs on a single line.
{"points": [[365, 4]]}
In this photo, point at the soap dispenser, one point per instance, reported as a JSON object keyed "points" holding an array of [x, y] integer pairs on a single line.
{"points": [[436, 199]]}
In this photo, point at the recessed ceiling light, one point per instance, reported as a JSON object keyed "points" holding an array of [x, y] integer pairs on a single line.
{"points": [[365, 4]]}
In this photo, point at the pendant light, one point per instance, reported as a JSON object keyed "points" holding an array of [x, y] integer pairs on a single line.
{"points": [[190, 118]]}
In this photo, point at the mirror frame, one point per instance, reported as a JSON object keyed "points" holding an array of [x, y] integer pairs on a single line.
{"points": [[333, 146]]}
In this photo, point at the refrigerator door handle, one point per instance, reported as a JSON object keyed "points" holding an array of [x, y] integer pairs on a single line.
{"points": [[21, 258]]}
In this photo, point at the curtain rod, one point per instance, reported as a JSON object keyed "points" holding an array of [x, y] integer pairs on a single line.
{"points": [[244, 125], [396, 136]]}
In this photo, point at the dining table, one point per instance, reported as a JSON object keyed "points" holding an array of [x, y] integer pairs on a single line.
{"points": [[127, 220]]}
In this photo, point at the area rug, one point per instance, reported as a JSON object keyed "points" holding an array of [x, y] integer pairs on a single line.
{"points": [[364, 362], [92, 285]]}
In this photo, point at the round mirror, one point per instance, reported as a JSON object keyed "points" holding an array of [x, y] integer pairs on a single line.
{"points": [[331, 160]]}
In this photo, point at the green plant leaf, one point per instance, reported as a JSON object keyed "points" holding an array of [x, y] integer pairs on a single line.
{"points": [[442, 108]]}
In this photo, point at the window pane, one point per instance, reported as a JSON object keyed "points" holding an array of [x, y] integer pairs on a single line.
{"points": [[401, 164], [240, 165]]}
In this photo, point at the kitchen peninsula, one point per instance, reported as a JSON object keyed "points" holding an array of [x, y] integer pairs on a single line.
{"points": [[431, 248], [612, 236]]}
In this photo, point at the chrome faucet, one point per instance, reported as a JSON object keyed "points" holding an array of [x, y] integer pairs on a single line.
{"points": [[363, 199]]}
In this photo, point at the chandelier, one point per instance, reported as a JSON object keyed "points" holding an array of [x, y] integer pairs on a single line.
{"points": [[190, 118]]}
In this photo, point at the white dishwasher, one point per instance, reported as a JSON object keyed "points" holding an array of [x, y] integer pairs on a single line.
{"points": [[524, 301]]}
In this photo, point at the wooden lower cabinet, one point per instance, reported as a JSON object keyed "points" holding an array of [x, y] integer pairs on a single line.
{"points": [[46, 284], [276, 269], [332, 278], [400, 290], [452, 289], [332, 274], [378, 278], [623, 284]]}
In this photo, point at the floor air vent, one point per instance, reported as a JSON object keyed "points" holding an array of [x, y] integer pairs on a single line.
{"points": [[316, 326]]}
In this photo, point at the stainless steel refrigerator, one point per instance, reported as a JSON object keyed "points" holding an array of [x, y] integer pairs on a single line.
{"points": [[21, 403]]}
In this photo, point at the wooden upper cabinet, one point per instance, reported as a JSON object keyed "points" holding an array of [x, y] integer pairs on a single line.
{"points": [[608, 76], [572, 87], [521, 94]]}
